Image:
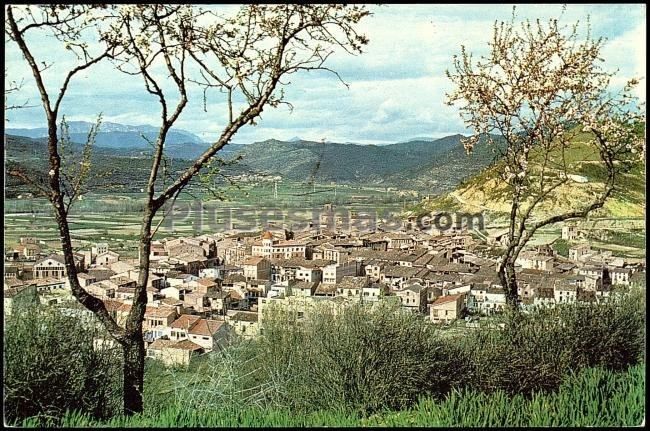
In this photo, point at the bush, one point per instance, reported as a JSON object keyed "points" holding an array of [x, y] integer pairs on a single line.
{"points": [[536, 350], [51, 366], [364, 358], [225, 377]]}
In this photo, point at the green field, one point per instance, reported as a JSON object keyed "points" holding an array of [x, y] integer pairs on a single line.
{"points": [[116, 218]]}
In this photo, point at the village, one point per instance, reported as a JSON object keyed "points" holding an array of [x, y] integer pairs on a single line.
{"points": [[206, 288]]}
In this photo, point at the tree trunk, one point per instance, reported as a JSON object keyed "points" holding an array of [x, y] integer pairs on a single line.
{"points": [[133, 349], [133, 370], [508, 280]]}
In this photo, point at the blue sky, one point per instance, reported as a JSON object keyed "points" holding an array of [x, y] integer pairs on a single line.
{"points": [[397, 86]]}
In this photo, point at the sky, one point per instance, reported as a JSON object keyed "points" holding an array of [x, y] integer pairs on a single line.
{"points": [[396, 88]]}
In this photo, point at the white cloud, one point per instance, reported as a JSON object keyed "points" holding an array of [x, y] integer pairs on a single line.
{"points": [[397, 86]]}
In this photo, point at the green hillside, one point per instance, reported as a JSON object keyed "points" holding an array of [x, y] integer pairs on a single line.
{"points": [[486, 192], [431, 167]]}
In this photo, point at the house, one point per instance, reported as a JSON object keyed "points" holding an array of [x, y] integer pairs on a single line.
{"points": [[204, 285], [29, 251], [156, 320], [296, 306], [197, 300], [495, 300], [396, 276], [176, 292], [52, 266], [207, 333], [256, 268], [413, 297], [594, 275], [197, 247], [177, 330], [373, 269], [173, 352], [351, 286], [586, 295], [544, 296], [11, 271], [325, 290], [335, 272], [99, 248], [569, 232], [219, 301], [374, 291], [19, 297], [303, 288], [578, 252], [158, 251], [274, 248], [327, 251], [256, 289], [534, 260], [49, 284], [298, 269], [446, 309], [85, 279], [232, 250], [396, 240], [565, 293], [244, 323], [620, 276], [120, 267], [106, 259], [102, 289], [100, 274]]}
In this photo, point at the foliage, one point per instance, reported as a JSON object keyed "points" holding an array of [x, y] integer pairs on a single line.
{"points": [[535, 350], [366, 358], [362, 358], [561, 246], [594, 397], [51, 366], [339, 365]]}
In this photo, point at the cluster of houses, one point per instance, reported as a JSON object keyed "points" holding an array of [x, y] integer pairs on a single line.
{"points": [[201, 290]]}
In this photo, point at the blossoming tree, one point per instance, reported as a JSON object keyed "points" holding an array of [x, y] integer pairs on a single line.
{"points": [[541, 85]]}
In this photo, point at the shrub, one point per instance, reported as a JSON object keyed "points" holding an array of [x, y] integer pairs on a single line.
{"points": [[51, 366], [364, 358], [535, 350]]}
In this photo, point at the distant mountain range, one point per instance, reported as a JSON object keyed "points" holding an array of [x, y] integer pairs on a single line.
{"points": [[113, 135], [435, 164], [431, 166]]}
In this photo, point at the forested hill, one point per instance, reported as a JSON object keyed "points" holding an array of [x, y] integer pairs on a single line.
{"points": [[430, 166]]}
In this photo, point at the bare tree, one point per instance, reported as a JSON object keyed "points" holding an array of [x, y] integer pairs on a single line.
{"points": [[541, 85], [244, 58]]}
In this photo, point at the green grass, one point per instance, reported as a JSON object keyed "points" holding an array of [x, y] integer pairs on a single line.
{"points": [[629, 239], [594, 397]]}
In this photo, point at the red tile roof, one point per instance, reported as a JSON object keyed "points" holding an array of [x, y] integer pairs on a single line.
{"points": [[446, 299], [185, 321], [186, 345], [205, 327]]}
